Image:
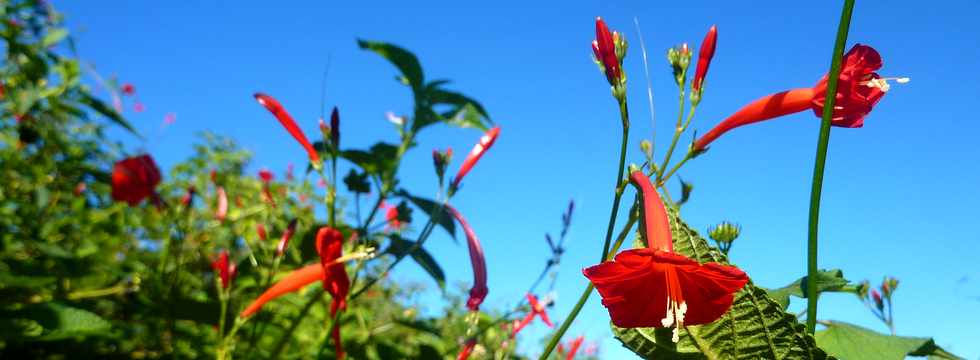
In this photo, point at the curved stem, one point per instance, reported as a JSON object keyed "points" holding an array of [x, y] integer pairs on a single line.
{"points": [[681, 127], [818, 168], [624, 115]]}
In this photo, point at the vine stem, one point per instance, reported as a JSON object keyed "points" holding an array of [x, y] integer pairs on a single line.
{"points": [[821, 160]]}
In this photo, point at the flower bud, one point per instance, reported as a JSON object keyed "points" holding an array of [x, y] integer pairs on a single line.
{"points": [[679, 58], [260, 230], [647, 147], [335, 128], [284, 240], [877, 300]]}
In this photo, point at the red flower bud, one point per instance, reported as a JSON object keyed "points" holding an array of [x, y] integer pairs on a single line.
{"points": [[704, 58], [127, 89], [226, 270], [335, 128], [260, 230], [286, 235], [604, 48], [188, 197], [266, 176], [486, 141]]}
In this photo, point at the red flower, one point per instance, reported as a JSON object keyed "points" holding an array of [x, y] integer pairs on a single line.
{"points": [[573, 347], [134, 179], [127, 89], [260, 230], [486, 141], [704, 58], [226, 270], [188, 199], [604, 49], [467, 350], [537, 309], [286, 235], [287, 122], [391, 217], [221, 211], [655, 287], [859, 89], [266, 176], [479, 290], [293, 281]]}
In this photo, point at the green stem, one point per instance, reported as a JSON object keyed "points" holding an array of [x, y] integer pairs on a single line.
{"points": [[426, 231], [634, 216], [681, 127], [625, 117], [818, 167]]}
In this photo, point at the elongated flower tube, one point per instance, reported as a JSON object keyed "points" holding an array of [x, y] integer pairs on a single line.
{"points": [[604, 49], [335, 128], [467, 350], [479, 290], [486, 141], [704, 60], [134, 179], [330, 245], [221, 211], [286, 236], [537, 310], [573, 347], [859, 90], [655, 287], [260, 230], [287, 122], [293, 281], [226, 269]]}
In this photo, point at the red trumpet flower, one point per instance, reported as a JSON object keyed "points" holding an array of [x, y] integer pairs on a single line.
{"points": [[221, 211], [704, 58], [134, 179], [330, 245], [486, 141], [479, 290], [655, 287], [226, 270], [859, 89], [537, 309], [266, 176], [287, 122], [604, 49]]}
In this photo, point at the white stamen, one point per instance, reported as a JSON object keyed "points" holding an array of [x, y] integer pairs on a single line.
{"points": [[903, 80], [674, 317], [882, 83]]}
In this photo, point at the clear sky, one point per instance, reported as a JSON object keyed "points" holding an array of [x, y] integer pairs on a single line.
{"points": [[899, 198]]}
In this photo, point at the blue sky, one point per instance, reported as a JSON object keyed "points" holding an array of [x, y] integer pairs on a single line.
{"points": [[899, 195]]}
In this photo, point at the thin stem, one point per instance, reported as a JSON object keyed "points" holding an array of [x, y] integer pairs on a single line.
{"points": [[821, 159], [681, 127], [624, 115], [426, 231], [286, 336], [634, 215]]}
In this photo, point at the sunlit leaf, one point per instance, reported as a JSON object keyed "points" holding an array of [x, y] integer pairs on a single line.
{"points": [[401, 247], [848, 341]]}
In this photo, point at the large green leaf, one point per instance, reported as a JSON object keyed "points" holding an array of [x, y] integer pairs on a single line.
{"points": [[756, 327], [379, 160], [51, 321], [827, 281], [435, 210], [401, 247], [404, 60], [848, 341]]}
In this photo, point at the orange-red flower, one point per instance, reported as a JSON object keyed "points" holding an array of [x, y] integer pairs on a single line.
{"points": [[287, 122], [604, 49], [537, 310], [573, 347], [859, 89], [486, 141], [226, 269], [391, 217], [134, 179], [655, 287], [479, 290], [467, 350]]}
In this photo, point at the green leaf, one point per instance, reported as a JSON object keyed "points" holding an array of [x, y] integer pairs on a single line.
{"points": [[400, 247], [827, 281], [464, 111], [52, 321], [53, 37], [435, 210], [379, 160], [405, 61], [756, 327], [107, 111], [466, 117], [686, 189], [357, 182], [848, 341]]}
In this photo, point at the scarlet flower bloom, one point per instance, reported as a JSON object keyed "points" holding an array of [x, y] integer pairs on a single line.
{"points": [[486, 141], [127, 89], [134, 179], [295, 280], [467, 350], [479, 290], [604, 49], [226, 270], [221, 211], [704, 58], [266, 176], [859, 89], [537, 309], [286, 235], [655, 287], [330, 244], [287, 122]]}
